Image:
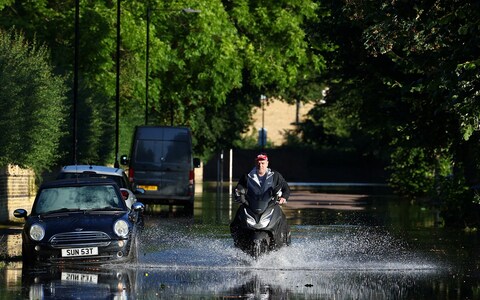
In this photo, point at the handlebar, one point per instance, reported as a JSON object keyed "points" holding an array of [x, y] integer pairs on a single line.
{"points": [[240, 196]]}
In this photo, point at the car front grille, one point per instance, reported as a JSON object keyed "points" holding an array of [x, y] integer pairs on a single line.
{"points": [[80, 239]]}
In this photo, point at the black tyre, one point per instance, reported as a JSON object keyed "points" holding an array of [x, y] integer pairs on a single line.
{"points": [[259, 248], [288, 239], [134, 250], [189, 208], [27, 258]]}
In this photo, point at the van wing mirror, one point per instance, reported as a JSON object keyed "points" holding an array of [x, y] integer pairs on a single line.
{"points": [[196, 162], [124, 160]]}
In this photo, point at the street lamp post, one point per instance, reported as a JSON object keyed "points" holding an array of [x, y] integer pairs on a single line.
{"points": [[147, 55], [147, 58], [117, 89], [75, 80], [263, 98]]}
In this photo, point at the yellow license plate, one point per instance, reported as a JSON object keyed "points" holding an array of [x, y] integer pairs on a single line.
{"points": [[148, 187]]}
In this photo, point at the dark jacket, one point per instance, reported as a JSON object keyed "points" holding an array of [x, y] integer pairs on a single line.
{"points": [[251, 184]]}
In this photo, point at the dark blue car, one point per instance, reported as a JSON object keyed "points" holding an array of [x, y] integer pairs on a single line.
{"points": [[82, 220]]}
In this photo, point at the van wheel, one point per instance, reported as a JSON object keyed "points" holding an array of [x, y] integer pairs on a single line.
{"points": [[189, 209]]}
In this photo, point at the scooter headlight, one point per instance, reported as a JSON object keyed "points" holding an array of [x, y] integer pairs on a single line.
{"points": [[266, 218], [250, 220]]}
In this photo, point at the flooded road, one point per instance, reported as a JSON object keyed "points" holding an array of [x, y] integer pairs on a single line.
{"points": [[345, 245]]}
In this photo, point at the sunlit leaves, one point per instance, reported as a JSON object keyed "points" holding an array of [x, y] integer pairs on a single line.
{"points": [[216, 60], [32, 104]]}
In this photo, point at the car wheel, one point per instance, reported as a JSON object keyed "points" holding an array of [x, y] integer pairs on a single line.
{"points": [[133, 254], [27, 257]]}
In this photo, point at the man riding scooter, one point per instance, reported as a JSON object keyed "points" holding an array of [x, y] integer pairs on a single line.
{"points": [[260, 192]]}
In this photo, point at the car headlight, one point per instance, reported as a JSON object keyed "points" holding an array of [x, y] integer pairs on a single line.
{"points": [[121, 228], [37, 232]]}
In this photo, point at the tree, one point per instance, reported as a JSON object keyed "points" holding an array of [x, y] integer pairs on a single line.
{"points": [[407, 74], [207, 70], [278, 60], [32, 102]]}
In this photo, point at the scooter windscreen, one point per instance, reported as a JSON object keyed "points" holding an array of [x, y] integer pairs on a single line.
{"points": [[259, 203]]}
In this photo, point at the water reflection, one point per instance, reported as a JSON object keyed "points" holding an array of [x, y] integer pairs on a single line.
{"points": [[77, 283], [375, 248], [280, 284]]}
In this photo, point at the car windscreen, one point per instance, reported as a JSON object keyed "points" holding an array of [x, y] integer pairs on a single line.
{"points": [[71, 198]]}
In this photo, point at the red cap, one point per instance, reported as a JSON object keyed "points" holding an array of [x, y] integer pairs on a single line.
{"points": [[262, 156]]}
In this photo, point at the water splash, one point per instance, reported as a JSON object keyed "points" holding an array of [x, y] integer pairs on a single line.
{"points": [[314, 248], [341, 262]]}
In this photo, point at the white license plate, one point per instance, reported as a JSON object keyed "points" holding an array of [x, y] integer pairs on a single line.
{"points": [[78, 277], [80, 252]]}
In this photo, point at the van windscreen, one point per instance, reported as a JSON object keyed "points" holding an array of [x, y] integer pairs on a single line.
{"points": [[159, 152]]}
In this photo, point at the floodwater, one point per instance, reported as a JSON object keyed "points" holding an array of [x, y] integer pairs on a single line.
{"points": [[348, 244]]}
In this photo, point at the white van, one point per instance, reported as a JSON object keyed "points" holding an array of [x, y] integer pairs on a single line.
{"points": [[161, 162]]}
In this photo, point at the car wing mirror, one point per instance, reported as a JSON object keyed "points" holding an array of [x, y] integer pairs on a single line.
{"points": [[20, 213], [139, 191], [138, 206]]}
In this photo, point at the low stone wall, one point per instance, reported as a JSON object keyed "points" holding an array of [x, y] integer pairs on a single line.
{"points": [[17, 190]]}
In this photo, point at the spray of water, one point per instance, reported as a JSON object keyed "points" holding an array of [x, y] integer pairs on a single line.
{"points": [[341, 262], [314, 248]]}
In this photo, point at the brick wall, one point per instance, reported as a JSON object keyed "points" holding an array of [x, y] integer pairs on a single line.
{"points": [[278, 117], [17, 190]]}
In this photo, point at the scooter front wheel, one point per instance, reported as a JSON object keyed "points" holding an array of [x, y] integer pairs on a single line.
{"points": [[259, 247]]}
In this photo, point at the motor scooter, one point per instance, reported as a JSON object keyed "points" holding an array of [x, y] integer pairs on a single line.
{"points": [[259, 226]]}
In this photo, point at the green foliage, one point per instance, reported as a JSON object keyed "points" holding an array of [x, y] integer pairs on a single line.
{"points": [[275, 47], [399, 66], [4, 3], [412, 172], [207, 70], [53, 24], [248, 142], [454, 199], [403, 83], [195, 65], [251, 141], [97, 135], [32, 102]]}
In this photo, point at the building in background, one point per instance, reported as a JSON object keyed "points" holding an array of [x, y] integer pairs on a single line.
{"points": [[278, 117]]}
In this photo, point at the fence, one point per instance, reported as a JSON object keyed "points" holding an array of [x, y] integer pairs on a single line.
{"points": [[299, 165]]}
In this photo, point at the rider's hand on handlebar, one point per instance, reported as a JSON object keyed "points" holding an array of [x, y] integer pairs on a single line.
{"points": [[241, 199], [282, 200]]}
